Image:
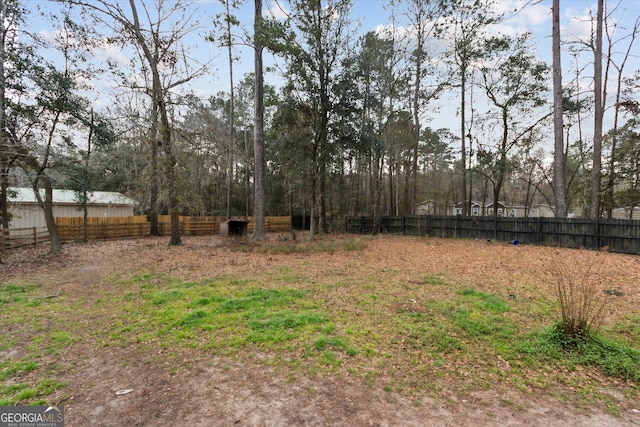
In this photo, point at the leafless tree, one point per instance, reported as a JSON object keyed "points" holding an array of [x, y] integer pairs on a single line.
{"points": [[164, 61], [259, 227], [558, 146], [598, 113]]}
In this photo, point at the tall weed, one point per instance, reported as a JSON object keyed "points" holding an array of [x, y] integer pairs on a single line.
{"points": [[581, 297]]}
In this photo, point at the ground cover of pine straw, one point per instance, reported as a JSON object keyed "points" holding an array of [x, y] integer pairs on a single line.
{"points": [[351, 330]]}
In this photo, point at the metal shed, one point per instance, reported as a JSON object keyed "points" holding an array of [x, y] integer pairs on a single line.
{"points": [[27, 213]]}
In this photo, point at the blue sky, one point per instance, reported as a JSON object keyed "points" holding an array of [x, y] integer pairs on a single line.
{"points": [[533, 16], [371, 14]]}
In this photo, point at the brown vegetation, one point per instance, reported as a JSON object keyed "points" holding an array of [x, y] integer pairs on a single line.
{"points": [[381, 284]]}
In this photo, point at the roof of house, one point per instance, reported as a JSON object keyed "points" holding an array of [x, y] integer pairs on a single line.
{"points": [[26, 195], [473, 203]]}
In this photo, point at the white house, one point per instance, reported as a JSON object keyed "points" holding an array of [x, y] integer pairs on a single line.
{"points": [[26, 212], [625, 213], [538, 210]]}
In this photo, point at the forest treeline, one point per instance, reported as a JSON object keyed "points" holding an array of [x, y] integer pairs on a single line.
{"points": [[105, 97]]}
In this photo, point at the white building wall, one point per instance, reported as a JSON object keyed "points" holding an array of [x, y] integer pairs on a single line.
{"points": [[622, 213], [28, 215]]}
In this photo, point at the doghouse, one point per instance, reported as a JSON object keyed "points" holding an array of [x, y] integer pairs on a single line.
{"points": [[234, 227]]}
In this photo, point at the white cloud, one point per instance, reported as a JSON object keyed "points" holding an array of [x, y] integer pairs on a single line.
{"points": [[109, 51], [278, 11], [522, 16], [577, 24]]}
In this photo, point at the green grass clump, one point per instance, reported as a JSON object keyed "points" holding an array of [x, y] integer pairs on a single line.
{"points": [[11, 293], [21, 393], [610, 356], [8, 368], [489, 302], [225, 314]]}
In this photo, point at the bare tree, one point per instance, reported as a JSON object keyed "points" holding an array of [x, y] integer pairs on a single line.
{"points": [[618, 105], [512, 85], [558, 146], [259, 228], [162, 56], [468, 22], [227, 40], [422, 18], [598, 114]]}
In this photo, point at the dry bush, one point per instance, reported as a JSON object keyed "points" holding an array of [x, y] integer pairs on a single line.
{"points": [[581, 296]]}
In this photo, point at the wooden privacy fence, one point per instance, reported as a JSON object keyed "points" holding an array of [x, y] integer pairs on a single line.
{"points": [[102, 228], [203, 225], [615, 234], [99, 228]]}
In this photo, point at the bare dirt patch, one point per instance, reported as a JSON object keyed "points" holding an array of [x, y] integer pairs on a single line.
{"points": [[151, 385]]}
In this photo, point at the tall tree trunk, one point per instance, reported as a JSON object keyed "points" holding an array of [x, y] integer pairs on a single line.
{"points": [[4, 199], [164, 128], [85, 185], [47, 207], [154, 228], [259, 228], [558, 154], [598, 114], [231, 119], [170, 165], [415, 131], [312, 211], [247, 176], [614, 141], [463, 137], [322, 200], [4, 136]]}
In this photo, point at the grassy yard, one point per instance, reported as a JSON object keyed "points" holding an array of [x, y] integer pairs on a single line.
{"points": [[419, 317]]}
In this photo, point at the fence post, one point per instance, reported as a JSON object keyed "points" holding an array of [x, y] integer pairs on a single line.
{"points": [[540, 234], [597, 234], [1, 240], [455, 228], [35, 237]]}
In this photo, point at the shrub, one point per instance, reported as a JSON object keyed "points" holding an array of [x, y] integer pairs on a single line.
{"points": [[581, 299]]}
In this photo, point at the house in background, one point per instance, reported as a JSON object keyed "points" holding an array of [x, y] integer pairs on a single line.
{"points": [[512, 211], [625, 213], [476, 209], [541, 210], [431, 207], [26, 213]]}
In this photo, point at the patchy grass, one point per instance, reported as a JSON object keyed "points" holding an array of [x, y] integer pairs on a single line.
{"points": [[23, 393], [24, 312], [416, 323], [609, 355], [227, 315]]}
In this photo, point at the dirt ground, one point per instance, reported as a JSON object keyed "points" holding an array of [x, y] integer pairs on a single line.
{"points": [[116, 386]]}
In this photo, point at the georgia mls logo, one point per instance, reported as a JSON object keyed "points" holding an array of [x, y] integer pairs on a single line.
{"points": [[31, 416], [53, 408]]}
